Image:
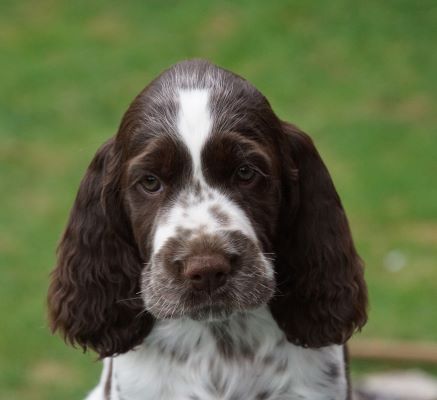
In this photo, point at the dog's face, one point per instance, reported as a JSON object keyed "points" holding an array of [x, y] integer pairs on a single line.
{"points": [[202, 190], [205, 203]]}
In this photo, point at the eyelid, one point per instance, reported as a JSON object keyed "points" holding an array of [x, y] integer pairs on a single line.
{"points": [[256, 160], [255, 167]]}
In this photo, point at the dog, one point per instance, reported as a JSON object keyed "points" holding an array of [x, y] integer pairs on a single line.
{"points": [[207, 254]]}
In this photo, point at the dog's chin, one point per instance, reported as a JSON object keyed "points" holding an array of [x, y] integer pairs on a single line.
{"points": [[210, 313], [207, 313]]}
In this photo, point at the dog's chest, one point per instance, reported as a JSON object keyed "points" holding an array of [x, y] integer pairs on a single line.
{"points": [[245, 358]]}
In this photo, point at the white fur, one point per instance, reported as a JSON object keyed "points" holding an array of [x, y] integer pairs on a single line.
{"points": [[194, 123], [149, 372]]}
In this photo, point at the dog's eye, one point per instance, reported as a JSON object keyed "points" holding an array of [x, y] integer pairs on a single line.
{"points": [[245, 173], [151, 184]]}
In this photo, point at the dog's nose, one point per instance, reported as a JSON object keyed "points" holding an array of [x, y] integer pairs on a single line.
{"points": [[207, 272]]}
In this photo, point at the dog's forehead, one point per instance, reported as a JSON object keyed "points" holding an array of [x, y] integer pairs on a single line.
{"points": [[207, 100], [191, 102]]}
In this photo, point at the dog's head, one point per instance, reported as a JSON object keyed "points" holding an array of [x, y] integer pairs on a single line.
{"points": [[204, 204]]}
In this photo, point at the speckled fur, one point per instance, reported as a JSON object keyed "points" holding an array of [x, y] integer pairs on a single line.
{"points": [[244, 358]]}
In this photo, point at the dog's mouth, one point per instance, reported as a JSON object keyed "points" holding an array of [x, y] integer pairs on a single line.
{"points": [[207, 307], [208, 280]]}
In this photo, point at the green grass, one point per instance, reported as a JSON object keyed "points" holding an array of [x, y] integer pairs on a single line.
{"points": [[359, 76]]}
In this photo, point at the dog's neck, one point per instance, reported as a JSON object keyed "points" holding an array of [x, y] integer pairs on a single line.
{"points": [[243, 357]]}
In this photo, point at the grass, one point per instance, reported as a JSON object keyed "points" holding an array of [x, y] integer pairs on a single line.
{"points": [[359, 76]]}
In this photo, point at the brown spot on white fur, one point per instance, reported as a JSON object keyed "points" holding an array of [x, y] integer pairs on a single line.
{"points": [[221, 216]]}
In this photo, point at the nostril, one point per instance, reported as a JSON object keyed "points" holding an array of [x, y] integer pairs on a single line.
{"points": [[196, 278], [220, 278], [233, 259]]}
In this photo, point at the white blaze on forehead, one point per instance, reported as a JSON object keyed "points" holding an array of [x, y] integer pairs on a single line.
{"points": [[194, 122]]}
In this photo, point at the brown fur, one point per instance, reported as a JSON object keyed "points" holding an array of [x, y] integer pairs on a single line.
{"points": [[93, 293], [321, 295]]}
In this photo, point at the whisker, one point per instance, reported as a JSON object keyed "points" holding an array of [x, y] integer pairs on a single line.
{"points": [[128, 299]]}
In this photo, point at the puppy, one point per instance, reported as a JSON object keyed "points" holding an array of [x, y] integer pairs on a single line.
{"points": [[207, 255]]}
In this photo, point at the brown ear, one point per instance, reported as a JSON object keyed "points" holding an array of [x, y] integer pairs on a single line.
{"points": [[321, 297], [93, 296]]}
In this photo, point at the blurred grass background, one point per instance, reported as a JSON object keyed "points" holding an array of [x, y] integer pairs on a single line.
{"points": [[359, 76]]}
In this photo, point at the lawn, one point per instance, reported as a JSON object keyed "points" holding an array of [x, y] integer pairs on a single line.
{"points": [[359, 76]]}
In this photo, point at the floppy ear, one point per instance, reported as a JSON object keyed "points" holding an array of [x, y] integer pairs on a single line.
{"points": [[93, 296], [321, 297]]}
